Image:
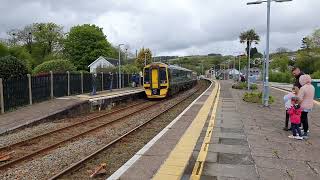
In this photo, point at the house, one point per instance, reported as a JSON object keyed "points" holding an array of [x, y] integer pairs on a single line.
{"points": [[103, 63]]}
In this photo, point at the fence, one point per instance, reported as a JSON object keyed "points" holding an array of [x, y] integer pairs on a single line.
{"points": [[15, 92]]}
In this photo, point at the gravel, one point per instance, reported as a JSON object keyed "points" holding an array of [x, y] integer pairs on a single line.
{"points": [[33, 131], [45, 166]]}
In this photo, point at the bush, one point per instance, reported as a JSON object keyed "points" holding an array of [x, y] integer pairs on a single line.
{"points": [[256, 97], [316, 75], [12, 67], [22, 54], [244, 85], [56, 66]]}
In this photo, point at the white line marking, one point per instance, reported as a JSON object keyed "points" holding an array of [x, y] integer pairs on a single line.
{"points": [[279, 89], [116, 175]]}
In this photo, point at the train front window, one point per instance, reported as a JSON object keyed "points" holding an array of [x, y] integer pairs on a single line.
{"points": [[147, 76], [163, 75]]}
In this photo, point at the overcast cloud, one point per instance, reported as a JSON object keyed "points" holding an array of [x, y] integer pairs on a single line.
{"points": [[172, 27]]}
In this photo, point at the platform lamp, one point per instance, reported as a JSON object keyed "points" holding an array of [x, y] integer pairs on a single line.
{"points": [[266, 86]]}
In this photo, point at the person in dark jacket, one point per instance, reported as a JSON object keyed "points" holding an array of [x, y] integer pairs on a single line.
{"points": [[296, 72]]}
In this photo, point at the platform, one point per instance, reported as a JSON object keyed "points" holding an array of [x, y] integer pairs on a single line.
{"points": [[64, 106], [227, 138]]}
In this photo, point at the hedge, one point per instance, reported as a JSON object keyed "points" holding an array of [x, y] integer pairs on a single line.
{"points": [[10, 66], [255, 97], [56, 66], [316, 75]]}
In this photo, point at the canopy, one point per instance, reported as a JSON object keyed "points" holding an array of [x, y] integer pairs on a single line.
{"points": [[234, 71]]}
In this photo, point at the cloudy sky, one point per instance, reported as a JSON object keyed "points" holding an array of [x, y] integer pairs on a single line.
{"points": [[172, 27]]}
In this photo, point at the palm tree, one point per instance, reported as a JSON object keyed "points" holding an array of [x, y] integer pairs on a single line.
{"points": [[249, 37]]}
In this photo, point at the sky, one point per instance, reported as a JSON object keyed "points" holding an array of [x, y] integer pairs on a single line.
{"points": [[172, 27]]}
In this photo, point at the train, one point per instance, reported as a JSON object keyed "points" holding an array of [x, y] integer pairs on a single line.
{"points": [[161, 80]]}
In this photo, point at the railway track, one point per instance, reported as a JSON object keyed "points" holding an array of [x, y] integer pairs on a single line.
{"points": [[29, 148], [105, 147]]}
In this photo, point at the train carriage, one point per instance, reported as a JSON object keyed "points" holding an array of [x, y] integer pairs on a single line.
{"points": [[162, 80]]}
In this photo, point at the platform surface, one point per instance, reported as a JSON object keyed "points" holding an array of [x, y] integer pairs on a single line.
{"points": [[32, 113], [237, 141]]}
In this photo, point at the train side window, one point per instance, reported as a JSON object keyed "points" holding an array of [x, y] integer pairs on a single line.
{"points": [[163, 75], [146, 75]]}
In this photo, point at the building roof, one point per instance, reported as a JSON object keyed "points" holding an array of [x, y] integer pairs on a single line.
{"points": [[110, 60]]}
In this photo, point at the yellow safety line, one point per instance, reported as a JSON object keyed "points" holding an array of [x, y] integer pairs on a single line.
{"points": [[197, 170], [177, 161]]}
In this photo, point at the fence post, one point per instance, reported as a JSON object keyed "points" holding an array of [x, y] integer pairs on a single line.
{"points": [[1, 97], [30, 89], [51, 84], [102, 81], [68, 73], [81, 82]]}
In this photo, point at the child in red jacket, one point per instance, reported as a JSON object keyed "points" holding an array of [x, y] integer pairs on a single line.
{"points": [[295, 118]]}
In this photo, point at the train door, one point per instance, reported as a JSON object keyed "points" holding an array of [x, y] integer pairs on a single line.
{"points": [[155, 78]]}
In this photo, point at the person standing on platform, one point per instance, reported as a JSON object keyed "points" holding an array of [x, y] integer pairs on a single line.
{"points": [[288, 104], [94, 87], [295, 114], [133, 80], [306, 95], [297, 73], [110, 80]]}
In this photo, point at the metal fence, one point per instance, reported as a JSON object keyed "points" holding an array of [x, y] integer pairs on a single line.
{"points": [[16, 92]]}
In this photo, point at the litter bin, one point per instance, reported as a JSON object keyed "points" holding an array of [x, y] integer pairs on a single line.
{"points": [[316, 84]]}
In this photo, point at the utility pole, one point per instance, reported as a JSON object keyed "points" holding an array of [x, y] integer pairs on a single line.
{"points": [[119, 64]]}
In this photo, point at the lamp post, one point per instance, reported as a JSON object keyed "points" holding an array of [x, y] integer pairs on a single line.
{"points": [[249, 54], [119, 64], [266, 86]]}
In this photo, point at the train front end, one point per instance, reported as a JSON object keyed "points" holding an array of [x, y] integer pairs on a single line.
{"points": [[155, 80]]}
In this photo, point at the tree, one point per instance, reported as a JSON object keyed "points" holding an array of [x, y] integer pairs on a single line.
{"points": [[56, 66], [306, 43], [249, 37], [315, 38], [280, 62], [12, 67], [49, 35], [3, 50], [84, 44], [130, 69], [143, 53], [308, 61]]}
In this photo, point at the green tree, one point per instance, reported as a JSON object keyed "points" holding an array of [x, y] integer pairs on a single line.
{"points": [[84, 44], [56, 66], [130, 69], [280, 62], [249, 37], [10, 66], [142, 55], [306, 43], [49, 35], [3, 50], [308, 60]]}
